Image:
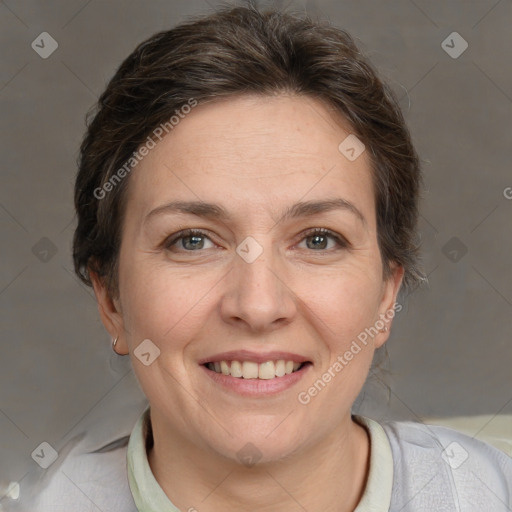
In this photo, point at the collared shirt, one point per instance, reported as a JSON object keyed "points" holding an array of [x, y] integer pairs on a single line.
{"points": [[413, 468], [149, 496]]}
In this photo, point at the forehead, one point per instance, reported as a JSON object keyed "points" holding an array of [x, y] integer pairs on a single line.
{"points": [[253, 151]]}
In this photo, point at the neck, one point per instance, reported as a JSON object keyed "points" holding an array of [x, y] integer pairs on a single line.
{"points": [[328, 476]]}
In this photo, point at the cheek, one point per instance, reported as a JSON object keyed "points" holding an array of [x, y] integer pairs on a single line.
{"points": [[161, 304], [341, 313], [345, 302]]}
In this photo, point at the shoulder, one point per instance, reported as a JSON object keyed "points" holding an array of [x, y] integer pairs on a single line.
{"points": [[82, 481], [439, 468], [89, 473]]}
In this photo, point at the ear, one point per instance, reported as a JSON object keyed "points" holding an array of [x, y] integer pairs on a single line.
{"points": [[388, 305], [110, 312]]}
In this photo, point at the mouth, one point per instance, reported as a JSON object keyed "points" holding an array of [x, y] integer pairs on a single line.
{"points": [[267, 370], [255, 374], [250, 379]]}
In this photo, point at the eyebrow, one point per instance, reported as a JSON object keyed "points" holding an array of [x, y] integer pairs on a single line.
{"points": [[300, 209]]}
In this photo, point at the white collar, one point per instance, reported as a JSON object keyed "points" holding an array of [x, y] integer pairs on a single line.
{"points": [[149, 496], [379, 486]]}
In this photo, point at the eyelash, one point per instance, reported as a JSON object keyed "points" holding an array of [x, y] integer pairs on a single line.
{"points": [[341, 241]]}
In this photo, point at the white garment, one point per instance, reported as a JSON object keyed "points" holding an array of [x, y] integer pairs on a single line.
{"points": [[413, 468]]}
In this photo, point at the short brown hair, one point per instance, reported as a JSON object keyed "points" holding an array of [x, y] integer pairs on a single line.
{"points": [[233, 51]]}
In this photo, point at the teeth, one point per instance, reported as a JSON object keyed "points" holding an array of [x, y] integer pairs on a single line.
{"points": [[251, 370], [280, 368], [236, 369], [267, 370], [224, 368]]}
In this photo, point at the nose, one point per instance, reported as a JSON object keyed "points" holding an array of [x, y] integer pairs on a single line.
{"points": [[257, 296]]}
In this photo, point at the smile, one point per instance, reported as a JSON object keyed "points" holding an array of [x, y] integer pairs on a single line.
{"points": [[253, 370], [255, 380]]}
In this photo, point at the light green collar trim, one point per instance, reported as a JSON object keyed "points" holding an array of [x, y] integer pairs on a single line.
{"points": [[377, 494], [149, 496], [146, 491]]}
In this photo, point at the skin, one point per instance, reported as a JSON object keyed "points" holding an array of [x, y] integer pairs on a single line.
{"points": [[255, 156]]}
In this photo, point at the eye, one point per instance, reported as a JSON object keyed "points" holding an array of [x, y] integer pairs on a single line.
{"points": [[317, 239], [193, 240], [190, 240]]}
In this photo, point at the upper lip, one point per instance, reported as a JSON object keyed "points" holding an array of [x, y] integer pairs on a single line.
{"points": [[257, 357]]}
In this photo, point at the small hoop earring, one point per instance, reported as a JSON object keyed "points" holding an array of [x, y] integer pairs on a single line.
{"points": [[114, 342]]}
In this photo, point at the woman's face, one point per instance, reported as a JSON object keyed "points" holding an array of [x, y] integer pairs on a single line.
{"points": [[255, 176]]}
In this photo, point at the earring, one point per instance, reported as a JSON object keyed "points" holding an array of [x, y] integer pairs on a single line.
{"points": [[384, 329], [114, 342]]}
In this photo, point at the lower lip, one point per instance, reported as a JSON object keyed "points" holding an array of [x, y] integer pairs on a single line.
{"points": [[257, 387]]}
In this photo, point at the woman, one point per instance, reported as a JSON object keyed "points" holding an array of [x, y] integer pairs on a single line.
{"points": [[247, 202]]}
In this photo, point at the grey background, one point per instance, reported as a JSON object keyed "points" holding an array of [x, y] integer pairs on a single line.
{"points": [[450, 350]]}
